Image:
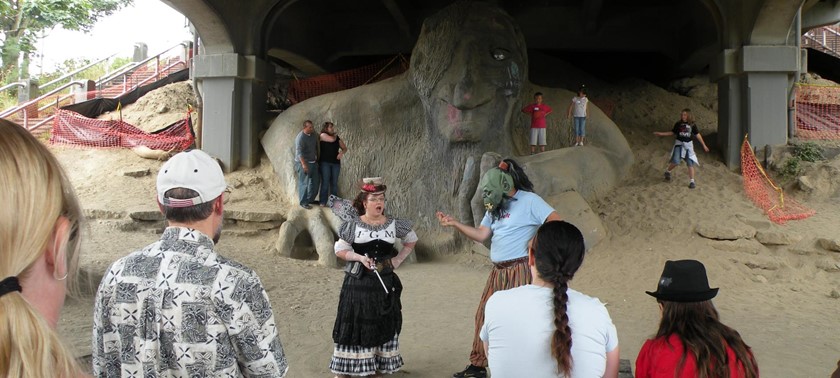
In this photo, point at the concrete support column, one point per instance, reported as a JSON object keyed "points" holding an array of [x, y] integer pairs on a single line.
{"points": [[254, 93], [233, 93], [141, 52], [28, 91], [753, 86]]}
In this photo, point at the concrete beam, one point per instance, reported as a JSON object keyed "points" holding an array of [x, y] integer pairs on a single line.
{"points": [[769, 59], [774, 21], [754, 59], [399, 18], [820, 13], [214, 32], [300, 62]]}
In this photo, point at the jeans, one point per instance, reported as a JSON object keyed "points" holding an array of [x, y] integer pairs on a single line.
{"points": [[580, 126], [676, 157], [329, 181], [307, 183]]}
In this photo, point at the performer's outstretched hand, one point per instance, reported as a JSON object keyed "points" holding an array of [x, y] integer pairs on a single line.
{"points": [[445, 219]]}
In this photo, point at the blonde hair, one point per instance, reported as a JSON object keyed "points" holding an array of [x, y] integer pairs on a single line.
{"points": [[36, 192]]}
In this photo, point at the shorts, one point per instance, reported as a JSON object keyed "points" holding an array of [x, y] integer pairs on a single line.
{"points": [[676, 157], [538, 136]]}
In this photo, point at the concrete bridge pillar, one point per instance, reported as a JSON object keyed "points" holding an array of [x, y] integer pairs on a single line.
{"points": [[753, 86], [233, 91]]}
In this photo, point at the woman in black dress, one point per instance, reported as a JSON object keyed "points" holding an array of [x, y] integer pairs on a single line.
{"points": [[369, 318]]}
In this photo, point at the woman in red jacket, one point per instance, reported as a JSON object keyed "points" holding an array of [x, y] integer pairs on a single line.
{"points": [[691, 341]]}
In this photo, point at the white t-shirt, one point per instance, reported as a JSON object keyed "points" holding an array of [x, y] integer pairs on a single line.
{"points": [[579, 106], [519, 323]]}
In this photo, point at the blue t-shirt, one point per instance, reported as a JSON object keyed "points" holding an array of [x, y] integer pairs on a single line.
{"points": [[511, 233]]}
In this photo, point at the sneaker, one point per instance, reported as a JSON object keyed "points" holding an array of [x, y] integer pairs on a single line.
{"points": [[667, 176], [471, 371], [691, 185], [307, 206]]}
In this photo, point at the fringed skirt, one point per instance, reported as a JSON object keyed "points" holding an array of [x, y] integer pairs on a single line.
{"points": [[361, 361], [367, 326]]}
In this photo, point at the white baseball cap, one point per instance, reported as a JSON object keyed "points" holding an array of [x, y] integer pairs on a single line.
{"points": [[195, 170]]}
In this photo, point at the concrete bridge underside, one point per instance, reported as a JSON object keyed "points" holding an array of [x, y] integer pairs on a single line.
{"points": [[749, 47]]}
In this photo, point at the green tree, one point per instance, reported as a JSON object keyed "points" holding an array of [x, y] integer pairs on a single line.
{"points": [[22, 20]]}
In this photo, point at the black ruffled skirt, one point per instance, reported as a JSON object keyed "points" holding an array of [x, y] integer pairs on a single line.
{"points": [[366, 315]]}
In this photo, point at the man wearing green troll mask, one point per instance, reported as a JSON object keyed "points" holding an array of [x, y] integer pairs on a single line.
{"points": [[513, 215]]}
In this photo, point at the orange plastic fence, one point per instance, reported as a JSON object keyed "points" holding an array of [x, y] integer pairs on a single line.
{"points": [[70, 128], [765, 193], [303, 89], [817, 111]]}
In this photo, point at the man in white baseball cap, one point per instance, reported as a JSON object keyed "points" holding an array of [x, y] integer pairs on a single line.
{"points": [[178, 294]]}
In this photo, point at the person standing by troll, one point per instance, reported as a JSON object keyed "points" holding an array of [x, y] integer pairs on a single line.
{"points": [[329, 160], [538, 111], [514, 212], [683, 149], [580, 109], [306, 164]]}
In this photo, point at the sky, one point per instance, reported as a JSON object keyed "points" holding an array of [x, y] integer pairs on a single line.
{"points": [[148, 21]]}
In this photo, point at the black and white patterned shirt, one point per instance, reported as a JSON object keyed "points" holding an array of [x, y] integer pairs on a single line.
{"points": [[178, 309]]}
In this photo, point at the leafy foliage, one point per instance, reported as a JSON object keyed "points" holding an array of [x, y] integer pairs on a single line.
{"points": [[22, 20], [808, 151], [791, 168]]}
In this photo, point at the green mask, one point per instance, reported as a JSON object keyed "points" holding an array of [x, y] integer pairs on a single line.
{"points": [[494, 186]]}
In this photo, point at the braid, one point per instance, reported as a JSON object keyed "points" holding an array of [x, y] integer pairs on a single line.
{"points": [[561, 340], [558, 253]]}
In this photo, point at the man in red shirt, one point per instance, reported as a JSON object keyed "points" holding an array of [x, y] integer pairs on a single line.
{"points": [[538, 111]]}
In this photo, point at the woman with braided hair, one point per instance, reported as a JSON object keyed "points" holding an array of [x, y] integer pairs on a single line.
{"points": [[547, 329], [513, 214]]}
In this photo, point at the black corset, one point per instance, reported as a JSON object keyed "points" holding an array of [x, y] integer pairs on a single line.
{"points": [[376, 249]]}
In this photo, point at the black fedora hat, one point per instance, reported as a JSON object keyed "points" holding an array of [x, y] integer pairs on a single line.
{"points": [[683, 281]]}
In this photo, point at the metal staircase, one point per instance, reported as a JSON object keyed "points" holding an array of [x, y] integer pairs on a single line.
{"points": [[825, 39], [36, 115]]}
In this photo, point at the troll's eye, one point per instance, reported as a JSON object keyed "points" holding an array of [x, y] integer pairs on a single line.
{"points": [[500, 54]]}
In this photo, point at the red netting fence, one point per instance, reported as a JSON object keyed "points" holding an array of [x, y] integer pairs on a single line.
{"points": [[70, 128], [765, 193], [303, 89], [817, 112]]}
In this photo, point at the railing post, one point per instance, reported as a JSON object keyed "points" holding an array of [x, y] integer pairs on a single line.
{"points": [[28, 91], [141, 52]]}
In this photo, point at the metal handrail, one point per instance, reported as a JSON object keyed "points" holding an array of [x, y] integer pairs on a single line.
{"points": [[157, 75], [138, 64], [12, 85], [70, 75], [35, 101], [121, 72]]}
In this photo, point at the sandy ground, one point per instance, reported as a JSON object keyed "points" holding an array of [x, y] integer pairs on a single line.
{"points": [[778, 297]]}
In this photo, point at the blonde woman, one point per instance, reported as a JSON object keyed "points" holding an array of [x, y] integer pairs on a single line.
{"points": [[39, 223]]}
